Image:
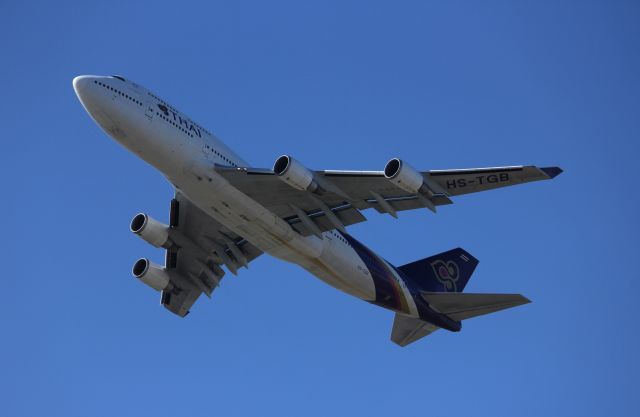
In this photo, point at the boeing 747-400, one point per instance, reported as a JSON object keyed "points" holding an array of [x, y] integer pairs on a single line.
{"points": [[226, 213]]}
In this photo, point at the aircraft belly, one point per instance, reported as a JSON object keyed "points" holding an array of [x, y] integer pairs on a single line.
{"points": [[243, 215], [339, 281], [345, 266], [329, 259], [337, 265]]}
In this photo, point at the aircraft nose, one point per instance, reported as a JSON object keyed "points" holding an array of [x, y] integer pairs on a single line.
{"points": [[88, 95], [81, 85]]}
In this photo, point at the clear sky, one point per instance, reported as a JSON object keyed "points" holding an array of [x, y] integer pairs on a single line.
{"points": [[339, 85]]}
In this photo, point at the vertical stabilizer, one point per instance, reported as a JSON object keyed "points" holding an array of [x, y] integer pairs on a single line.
{"points": [[445, 272]]}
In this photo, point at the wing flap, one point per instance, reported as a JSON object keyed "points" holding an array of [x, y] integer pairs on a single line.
{"points": [[346, 214]]}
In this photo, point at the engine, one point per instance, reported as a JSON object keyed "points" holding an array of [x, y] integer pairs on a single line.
{"points": [[151, 230], [295, 174], [151, 274], [405, 177]]}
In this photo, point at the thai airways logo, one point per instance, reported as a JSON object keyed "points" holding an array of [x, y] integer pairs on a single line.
{"points": [[447, 273], [163, 109], [179, 122]]}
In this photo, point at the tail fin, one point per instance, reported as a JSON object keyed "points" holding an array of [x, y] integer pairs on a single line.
{"points": [[445, 272]]}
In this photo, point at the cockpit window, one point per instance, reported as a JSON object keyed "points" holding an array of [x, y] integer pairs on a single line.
{"points": [[118, 77]]}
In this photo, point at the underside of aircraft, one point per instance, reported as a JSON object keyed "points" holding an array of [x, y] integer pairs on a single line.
{"points": [[225, 213]]}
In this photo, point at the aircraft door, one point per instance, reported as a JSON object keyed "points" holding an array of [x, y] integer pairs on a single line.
{"points": [[148, 109], [140, 96], [208, 151]]}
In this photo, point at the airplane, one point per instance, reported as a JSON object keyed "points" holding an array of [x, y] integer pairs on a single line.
{"points": [[225, 214]]}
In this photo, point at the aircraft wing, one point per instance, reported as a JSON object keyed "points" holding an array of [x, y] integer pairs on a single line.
{"points": [[345, 193], [465, 181], [202, 246]]}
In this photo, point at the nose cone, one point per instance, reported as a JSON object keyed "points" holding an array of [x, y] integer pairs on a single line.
{"points": [[92, 98], [94, 101], [80, 83], [82, 87]]}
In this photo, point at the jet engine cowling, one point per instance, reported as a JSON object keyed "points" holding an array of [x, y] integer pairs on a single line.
{"points": [[151, 274], [151, 230], [295, 174], [403, 176]]}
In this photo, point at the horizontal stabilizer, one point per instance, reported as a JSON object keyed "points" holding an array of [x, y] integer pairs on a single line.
{"points": [[462, 306], [408, 329]]}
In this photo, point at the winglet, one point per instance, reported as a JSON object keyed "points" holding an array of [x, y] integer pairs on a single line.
{"points": [[552, 172]]}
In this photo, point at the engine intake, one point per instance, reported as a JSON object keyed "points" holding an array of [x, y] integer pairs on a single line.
{"points": [[403, 176], [151, 230], [295, 174], [151, 274]]}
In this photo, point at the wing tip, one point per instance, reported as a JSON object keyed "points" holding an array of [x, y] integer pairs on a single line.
{"points": [[552, 172], [524, 300]]}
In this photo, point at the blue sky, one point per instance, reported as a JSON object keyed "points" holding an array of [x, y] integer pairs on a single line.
{"points": [[342, 85]]}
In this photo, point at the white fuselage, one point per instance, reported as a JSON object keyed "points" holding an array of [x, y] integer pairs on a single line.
{"points": [[186, 153]]}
